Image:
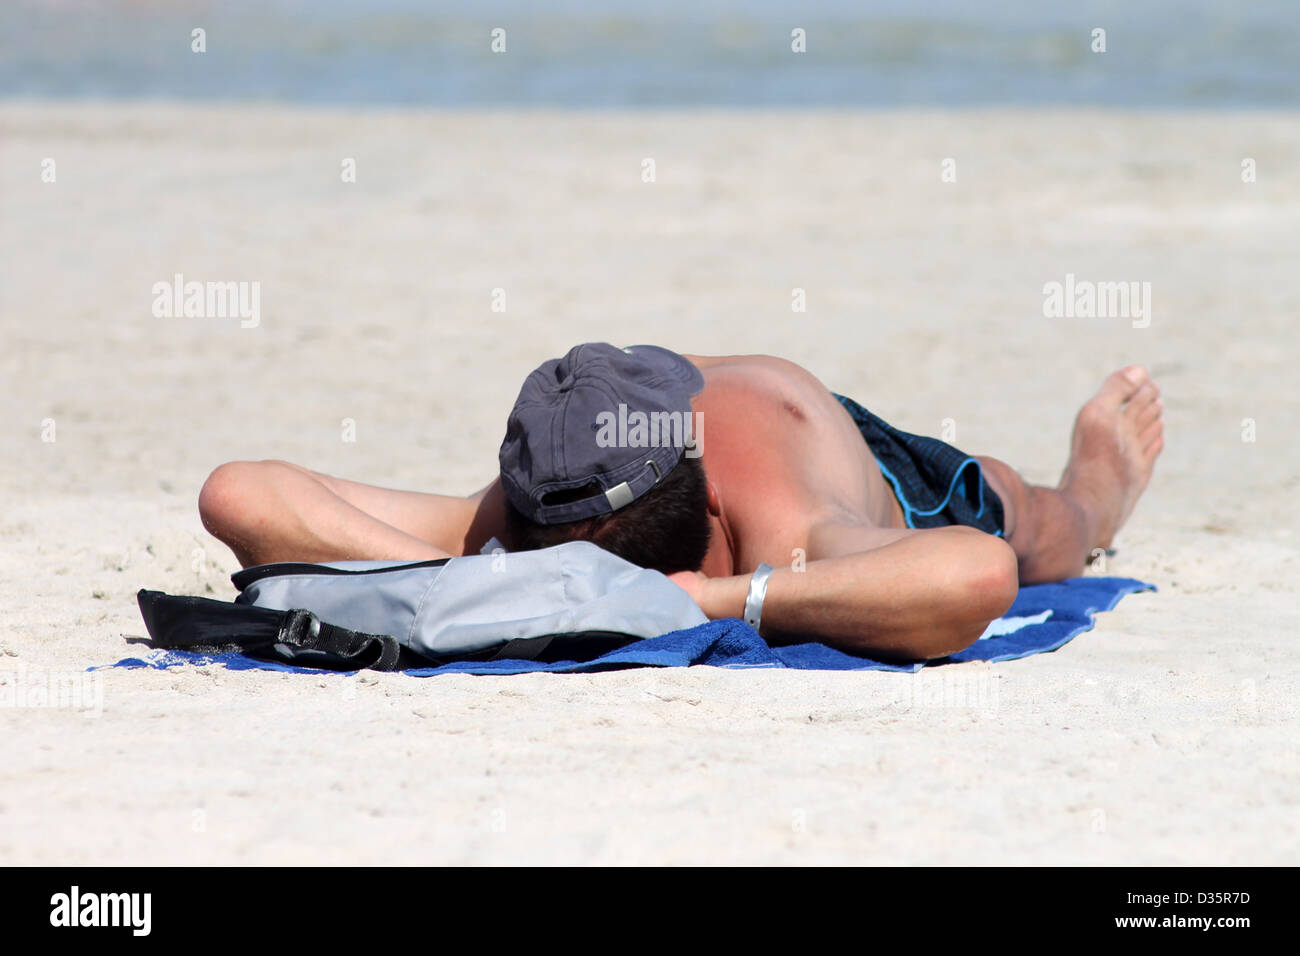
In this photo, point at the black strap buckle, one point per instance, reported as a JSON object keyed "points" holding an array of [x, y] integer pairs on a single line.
{"points": [[300, 628]]}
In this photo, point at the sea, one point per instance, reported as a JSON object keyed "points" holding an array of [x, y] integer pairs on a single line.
{"points": [[619, 54]]}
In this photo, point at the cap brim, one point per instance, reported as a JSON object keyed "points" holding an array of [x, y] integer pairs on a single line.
{"points": [[675, 364]]}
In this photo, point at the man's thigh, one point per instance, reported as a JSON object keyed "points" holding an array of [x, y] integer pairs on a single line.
{"points": [[1010, 488]]}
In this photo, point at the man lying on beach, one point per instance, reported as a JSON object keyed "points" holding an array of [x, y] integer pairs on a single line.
{"points": [[896, 545]]}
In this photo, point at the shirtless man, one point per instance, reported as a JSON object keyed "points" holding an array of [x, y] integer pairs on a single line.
{"points": [[895, 545]]}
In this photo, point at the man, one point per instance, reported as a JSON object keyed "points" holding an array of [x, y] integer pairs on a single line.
{"points": [[878, 541]]}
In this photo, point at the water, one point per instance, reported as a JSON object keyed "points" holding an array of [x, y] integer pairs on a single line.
{"points": [[1207, 54]]}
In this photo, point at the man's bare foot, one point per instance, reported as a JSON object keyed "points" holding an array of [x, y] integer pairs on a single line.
{"points": [[1117, 436]]}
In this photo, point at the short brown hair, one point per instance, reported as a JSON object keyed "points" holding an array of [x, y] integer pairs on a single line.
{"points": [[666, 529]]}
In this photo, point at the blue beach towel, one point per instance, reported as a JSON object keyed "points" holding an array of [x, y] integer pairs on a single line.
{"points": [[1043, 617]]}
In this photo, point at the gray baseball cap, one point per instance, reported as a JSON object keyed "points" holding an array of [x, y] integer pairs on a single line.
{"points": [[578, 421]]}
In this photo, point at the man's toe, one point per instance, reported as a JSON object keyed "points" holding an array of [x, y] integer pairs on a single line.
{"points": [[1123, 385]]}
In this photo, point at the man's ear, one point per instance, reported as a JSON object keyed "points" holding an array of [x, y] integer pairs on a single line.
{"points": [[715, 500]]}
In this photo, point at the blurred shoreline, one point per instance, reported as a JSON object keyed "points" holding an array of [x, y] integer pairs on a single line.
{"points": [[585, 54]]}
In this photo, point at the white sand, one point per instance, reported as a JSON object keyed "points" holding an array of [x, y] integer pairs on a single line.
{"points": [[1167, 735]]}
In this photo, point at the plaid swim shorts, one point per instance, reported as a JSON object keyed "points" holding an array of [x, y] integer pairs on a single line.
{"points": [[936, 484]]}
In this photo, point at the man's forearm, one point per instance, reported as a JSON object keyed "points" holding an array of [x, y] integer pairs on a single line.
{"points": [[272, 511], [927, 595]]}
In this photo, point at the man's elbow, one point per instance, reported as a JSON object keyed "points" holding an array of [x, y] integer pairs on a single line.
{"points": [[231, 499], [983, 590], [994, 581]]}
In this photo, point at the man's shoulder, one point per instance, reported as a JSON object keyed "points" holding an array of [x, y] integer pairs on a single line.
{"points": [[758, 362], [750, 376]]}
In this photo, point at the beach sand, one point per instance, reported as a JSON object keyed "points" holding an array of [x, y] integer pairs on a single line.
{"points": [[1165, 736]]}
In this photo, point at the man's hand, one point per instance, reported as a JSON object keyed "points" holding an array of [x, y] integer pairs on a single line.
{"points": [[693, 583], [717, 597]]}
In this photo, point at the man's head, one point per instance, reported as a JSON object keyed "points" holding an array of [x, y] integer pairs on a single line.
{"points": [[602, 445], [666, 529]]}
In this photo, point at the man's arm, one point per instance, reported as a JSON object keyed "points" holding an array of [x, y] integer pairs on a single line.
{"points": [[275, 511], [922, 594]]}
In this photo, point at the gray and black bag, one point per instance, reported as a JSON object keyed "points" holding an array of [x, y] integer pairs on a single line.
{"points": [[572, 602]]}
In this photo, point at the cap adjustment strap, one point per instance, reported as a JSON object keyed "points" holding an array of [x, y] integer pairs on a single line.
{"points": [[620, 496]]}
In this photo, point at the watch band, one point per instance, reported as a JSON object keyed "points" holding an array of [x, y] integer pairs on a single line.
{"points": [[757, 592]]}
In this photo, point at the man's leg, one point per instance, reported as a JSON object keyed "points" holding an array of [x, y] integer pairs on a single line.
{"points": [[1117, 436]]}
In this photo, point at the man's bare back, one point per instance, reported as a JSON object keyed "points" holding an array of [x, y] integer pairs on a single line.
{"points": [[793, 484], [787, 462]]}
